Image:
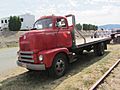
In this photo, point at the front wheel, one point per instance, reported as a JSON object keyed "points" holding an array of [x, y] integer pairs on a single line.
{"points": [[59, 66]]}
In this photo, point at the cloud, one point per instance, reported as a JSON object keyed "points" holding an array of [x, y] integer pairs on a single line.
{"points": [[107, 14], [73, 2], [86, 11]]}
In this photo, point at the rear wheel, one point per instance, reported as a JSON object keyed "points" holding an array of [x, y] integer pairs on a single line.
{"points": [[59, 66], [99, 49], [79, 52]]}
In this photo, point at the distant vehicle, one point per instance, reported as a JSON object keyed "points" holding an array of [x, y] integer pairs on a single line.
{"points": [[52, 44], [116, 35], [101, 33]]}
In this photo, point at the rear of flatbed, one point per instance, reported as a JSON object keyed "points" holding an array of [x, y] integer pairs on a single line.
{"points": [[98, 45]]}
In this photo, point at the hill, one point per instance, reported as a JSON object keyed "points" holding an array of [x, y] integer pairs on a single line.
{"points": [[109, 26]]}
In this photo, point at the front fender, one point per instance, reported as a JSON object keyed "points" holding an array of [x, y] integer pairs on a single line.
{"points": [[49, 55]]}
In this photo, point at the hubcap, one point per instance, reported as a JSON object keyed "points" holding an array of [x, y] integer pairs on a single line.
{"points": [[60, 65]]}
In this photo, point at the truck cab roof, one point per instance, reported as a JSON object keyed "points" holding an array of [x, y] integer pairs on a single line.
{"points": [[51, 16]]}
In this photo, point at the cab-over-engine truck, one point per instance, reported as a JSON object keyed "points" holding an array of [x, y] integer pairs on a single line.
{"points": [[52, 44]]}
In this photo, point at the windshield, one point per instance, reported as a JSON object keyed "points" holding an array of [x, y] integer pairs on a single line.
{"points": [[43, 23]]}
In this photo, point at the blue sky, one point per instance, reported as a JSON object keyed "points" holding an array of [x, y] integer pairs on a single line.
{"points": [[96, 12]]}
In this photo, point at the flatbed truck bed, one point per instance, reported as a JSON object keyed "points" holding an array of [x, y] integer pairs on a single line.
{"points": [[89, 41]]}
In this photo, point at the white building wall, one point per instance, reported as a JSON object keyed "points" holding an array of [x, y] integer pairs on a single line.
{"points": [[27, 23], [4, 24]]}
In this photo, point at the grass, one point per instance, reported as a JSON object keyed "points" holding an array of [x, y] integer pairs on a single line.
{"points": [[88, 76]]}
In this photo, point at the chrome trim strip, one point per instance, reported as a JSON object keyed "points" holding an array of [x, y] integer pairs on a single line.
{"points": [[26, 60], [31, 66], [26, 52], [25, 56]]}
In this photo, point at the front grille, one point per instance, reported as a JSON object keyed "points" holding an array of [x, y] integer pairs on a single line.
{"points": [[26, 56]]}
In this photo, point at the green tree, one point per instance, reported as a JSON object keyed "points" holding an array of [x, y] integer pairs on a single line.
{"points": [[79, 26], [14, 23], [85, 27], [93, 27], [96, 27], [89, 27]]}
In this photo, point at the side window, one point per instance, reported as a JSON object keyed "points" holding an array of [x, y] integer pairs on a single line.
{"points": [[1, 21], [60, 22], [5, 21], [21, 19]]}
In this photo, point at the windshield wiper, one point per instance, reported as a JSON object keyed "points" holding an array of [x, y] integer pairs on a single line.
{"points": [[34, 29]]}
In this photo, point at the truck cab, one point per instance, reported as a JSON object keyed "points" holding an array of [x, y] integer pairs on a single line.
{"points": [[50, 36]]}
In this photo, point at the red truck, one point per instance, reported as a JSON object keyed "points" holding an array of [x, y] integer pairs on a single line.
{"points": [[52, 44]]}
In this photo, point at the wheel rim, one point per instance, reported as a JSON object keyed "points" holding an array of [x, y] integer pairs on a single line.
{"points": [[60, 66]]}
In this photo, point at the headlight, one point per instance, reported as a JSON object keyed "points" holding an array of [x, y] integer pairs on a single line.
{"points": [[41, 57]]}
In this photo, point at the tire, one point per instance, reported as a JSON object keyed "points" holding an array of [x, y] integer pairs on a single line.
{"points": [[59, 66], [99, 49], [88, 48], [79, 52]]}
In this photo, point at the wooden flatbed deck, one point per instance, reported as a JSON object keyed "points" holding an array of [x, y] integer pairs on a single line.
{"points": [[89, 41]]}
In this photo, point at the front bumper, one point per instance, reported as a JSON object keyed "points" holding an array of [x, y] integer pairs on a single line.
{"points": [[31, 66]]}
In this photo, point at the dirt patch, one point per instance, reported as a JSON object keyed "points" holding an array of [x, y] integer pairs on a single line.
{"points": [[11, 73], [9, 38]]}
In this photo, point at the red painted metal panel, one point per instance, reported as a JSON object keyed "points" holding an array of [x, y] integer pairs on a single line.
{"points": [[64, 38], [50, 54]]}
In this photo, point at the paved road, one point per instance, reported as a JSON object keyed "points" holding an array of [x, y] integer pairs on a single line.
{"points": [[8, 57]]}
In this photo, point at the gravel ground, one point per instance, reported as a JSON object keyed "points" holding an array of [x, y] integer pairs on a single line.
{"points": [[112, 82]]}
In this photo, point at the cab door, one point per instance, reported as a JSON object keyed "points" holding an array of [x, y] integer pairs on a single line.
{"points": [[64, 38]]}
